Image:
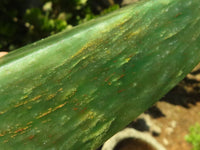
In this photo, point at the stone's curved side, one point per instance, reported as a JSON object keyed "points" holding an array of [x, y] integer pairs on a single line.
{"points": [[127, 133]]}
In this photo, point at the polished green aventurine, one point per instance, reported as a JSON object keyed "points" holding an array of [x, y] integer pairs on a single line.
{"points": [[74, 90]]}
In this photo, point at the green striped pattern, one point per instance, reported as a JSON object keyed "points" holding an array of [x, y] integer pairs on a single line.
{"points": [[75, 89]]}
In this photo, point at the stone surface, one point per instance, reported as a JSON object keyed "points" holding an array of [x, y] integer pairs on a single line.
{"points": [[128, 133]]}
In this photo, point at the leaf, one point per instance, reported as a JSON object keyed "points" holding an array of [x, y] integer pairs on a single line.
{"points": [[75, 89]]}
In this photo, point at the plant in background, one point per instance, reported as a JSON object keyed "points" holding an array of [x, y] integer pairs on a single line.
{"points": [[194, 136], [25, 21], [41, 23]]}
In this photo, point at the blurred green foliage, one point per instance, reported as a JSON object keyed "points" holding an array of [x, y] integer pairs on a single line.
{"points": [[194, 136], [25, 21]]}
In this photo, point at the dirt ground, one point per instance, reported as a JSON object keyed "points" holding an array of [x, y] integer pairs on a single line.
{"points": [[180, 109], [175, 125]]}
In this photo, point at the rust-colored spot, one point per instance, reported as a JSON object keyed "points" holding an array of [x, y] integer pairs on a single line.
{"points": [[109, 83], [2, 112], [122, 75], [90, 115], [45, 113], [85, 47], [50, 136], [51, 96], [26, 96], [60, 89], [5, 141], [31, 137], [54, 142], [77, 104], [178, 14], [45, 121], [114, 61], [36, 98], [83, 110], [13, 135], [27, 101], [50, 110], [75, 108], [95, 78], [128, 59], [29, 107], [20, 130], [130, 56], [60, 106], [20, 104], [59, 80], [1, 135], [71, 95], [29, 122], [106, 79], [119, 91]]}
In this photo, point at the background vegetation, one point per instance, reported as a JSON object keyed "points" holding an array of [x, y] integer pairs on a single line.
{"points": [[194, 136], [25, 21]]}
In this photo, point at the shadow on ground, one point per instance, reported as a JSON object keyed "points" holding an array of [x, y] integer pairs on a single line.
{"points": [[184, 94]]}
